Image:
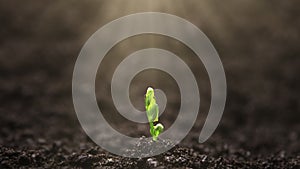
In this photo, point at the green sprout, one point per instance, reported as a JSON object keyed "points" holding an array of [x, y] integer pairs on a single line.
{"points": [[152, 114]]}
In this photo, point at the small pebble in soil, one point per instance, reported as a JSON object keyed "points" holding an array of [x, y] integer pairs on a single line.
{"points": [[152, 162]]}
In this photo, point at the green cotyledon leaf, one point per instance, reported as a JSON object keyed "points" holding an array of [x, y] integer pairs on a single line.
{"points": [[152, 111], [151, 106]]}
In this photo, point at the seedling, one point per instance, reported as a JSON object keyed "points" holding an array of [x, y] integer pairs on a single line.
{"points": [[152, 111]]}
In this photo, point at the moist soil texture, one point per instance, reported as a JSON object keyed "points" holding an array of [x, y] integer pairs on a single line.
{"points": [[258, 43]]}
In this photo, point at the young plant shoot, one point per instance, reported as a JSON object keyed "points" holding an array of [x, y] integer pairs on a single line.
{"points": [[152, 114]]}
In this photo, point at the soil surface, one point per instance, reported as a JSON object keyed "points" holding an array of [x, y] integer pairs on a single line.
{"points": [[258, 43]]}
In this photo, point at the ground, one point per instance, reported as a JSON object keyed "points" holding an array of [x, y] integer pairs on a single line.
{"points": [[258, 43]]}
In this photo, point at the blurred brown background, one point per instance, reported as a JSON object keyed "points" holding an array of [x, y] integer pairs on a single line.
{"points": [[258, 42]]}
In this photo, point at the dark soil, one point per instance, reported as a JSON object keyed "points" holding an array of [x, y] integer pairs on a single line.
{"points": [[258, 42]]}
